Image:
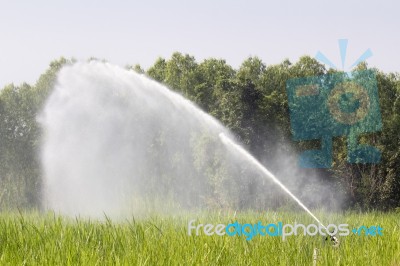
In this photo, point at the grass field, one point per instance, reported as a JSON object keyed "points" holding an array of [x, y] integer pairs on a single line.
{"points": [[47, 239]]}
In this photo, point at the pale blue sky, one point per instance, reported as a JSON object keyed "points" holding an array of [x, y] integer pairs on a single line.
{"points": [[33, 33]]}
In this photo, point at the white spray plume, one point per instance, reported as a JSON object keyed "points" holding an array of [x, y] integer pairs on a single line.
{"points": [[252, 160], [114, 139], [107, 131]]}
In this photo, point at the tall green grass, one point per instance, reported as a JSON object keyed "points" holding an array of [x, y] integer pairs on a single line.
{"points": [[47, 239]]}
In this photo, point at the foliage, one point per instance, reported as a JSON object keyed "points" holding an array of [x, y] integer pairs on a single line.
{"points": [[251, 101]]}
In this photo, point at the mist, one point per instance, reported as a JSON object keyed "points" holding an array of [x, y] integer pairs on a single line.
{"points": [[116, 143]]}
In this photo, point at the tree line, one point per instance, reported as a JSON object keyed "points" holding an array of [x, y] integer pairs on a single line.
{"points": [[251, 101]]}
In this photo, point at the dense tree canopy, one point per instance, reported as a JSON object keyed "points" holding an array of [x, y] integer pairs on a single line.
{"points": [[251, 101]]}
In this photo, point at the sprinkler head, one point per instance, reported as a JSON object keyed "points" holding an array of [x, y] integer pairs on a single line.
{"points": [[334, 240]]}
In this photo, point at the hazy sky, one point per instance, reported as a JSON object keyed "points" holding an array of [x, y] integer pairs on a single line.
{"points": [[33, 33]]}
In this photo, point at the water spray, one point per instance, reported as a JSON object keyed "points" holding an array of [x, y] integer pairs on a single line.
{"points": [[109, 136], [108, 143], [227, 141], [251, 159]]}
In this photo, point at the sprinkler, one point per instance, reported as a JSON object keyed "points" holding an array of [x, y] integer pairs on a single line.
{"points": [[334, 240]]}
